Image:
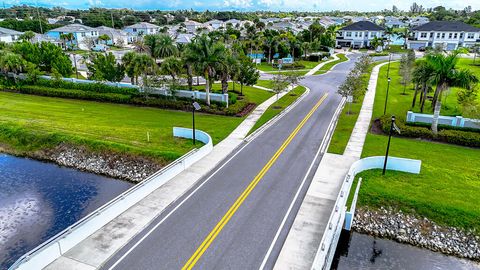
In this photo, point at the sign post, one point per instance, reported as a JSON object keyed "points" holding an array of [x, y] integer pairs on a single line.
{"points": [[195, 107], [392, 128]]}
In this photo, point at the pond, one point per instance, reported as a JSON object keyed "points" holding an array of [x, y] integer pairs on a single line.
{"points": [[38, 200], [360, 251]]}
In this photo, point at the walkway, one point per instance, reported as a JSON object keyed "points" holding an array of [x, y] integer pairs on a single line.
{"points": [[303, 240], [97, 248], [319, 66]]}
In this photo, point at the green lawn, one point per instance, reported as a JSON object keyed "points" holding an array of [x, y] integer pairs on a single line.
{"points": [[264, 83], [121, 127], [328, 66], [251, 93], [447, 188], [264, 66], [279, 106]]}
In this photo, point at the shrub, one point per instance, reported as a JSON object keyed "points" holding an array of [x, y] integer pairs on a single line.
{"points": [[75, 94], [92, 87], [318, 57]]}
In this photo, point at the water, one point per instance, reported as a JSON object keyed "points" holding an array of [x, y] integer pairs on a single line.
{"points": [[366, 252], [38, 200]]}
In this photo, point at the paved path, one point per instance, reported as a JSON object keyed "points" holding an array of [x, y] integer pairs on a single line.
{"points": [[303, 241], [319, 66]]}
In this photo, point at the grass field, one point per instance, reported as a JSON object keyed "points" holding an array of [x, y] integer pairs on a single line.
{"points": [[328, 66], [264, 66], [251, 93], [120, 126], [279, 106], [264, 83]]}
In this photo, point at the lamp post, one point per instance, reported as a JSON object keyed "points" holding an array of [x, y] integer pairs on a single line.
{"points": [[389, 60], [386, 97], [195, 107], [388, 145], [75, 63]]}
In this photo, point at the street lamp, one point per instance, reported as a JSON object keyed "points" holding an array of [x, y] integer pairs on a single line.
{"points": [[392, 127], [195, 107], [389, 60], [386, 98]]}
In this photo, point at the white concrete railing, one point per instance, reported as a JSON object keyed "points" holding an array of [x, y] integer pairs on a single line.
{"points": [[326, 250], [454, 121], [56, 246]]}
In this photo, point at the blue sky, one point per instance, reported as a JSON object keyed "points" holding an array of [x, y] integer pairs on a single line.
{"points": [[245, 5]]}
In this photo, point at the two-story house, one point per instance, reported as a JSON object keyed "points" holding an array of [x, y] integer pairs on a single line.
{"points": [[9, 35], [359, 34], [141, 29], [81, 34], [448, 34]]}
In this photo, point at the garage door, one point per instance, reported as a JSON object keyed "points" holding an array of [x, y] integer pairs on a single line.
{"points": [[416, 46], [451, 46]]}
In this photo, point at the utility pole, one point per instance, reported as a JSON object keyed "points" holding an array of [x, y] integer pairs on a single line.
{"points": [[111, 15], [39, 19]]}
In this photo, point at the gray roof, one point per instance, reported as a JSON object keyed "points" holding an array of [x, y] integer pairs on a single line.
{"points": [[73, 28], [143, 25], [104, 30], [452, 26], [6, 31], [363, 26]]}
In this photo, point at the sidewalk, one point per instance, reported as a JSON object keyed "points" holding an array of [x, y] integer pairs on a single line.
{"points": [[305, 235], [319, 66], [98, 247]]}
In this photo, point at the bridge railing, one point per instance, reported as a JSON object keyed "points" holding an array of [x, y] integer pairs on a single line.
{"points": [[56, 246], [326, 250]]}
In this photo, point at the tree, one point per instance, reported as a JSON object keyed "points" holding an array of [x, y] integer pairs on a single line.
{"points": [[33, 72], [205, 54], [422, 76], [405, 71], [104, 37], [279, 84], [351, 87], [405, 35], [171, 66], [67, 39], [160, 45], [389, 31], [137, 64], [27, 36], [103, 67], [445, 75], [247, 72], [12, 63]]}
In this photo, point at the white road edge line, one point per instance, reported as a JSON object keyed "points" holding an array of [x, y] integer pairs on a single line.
{"points": [[195, 190], [325, 141]]}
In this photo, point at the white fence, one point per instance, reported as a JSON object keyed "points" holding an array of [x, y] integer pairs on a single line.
{"points": [[454, 121], [326, 250], [56, 246]]}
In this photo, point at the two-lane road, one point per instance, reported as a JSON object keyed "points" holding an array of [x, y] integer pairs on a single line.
{"points": [[232, 217]]}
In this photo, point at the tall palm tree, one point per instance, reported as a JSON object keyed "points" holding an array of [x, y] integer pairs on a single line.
{"points": [[405, 35], [137, 64], [205, 54], [445, 75], [422, 77], [171, 66], [389, 32], [11, 63], [165, 47]]}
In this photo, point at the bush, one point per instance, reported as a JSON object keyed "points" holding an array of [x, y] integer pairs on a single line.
{"points": [[91, 87], [75, 94], [447, 127], [459, 137], [317, 57]]}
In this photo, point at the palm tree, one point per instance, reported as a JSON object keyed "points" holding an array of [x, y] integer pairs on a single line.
{"points": [[27, 36], [422, 77], [445, 75], [12, 63], [389, 32], [171, 66], [164, 47], [205, 54], [140, 46], [137, 64], [405, 35]]}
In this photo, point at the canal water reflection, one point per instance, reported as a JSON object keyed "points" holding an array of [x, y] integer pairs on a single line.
{"points": [[360, 251], [38, 200]]}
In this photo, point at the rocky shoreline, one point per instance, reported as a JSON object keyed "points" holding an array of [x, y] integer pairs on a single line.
{"points": [[421, 232]]}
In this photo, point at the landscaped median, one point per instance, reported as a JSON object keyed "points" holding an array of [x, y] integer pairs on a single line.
{"points": [[330, 65]]}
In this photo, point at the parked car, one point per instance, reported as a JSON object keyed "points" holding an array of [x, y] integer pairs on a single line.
{"points": [[338, 47], [356, 47], [421, 49], [100, 48]]}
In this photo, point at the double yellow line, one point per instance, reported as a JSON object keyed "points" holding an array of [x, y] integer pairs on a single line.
{"points": [[226, 218]]}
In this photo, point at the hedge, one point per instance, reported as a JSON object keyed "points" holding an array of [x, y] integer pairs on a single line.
{"points": [[91, 87], [459, 137], [317, 57], [427, 125]]}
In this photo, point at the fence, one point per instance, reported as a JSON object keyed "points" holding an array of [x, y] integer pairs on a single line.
{"points": [[59, 244], [454, 121], [326, 250]]}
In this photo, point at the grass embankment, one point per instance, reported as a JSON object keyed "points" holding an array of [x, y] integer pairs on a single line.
{"points": [[447, 188], [279, 106], [348, 118], [30, 123], [329, 65]]}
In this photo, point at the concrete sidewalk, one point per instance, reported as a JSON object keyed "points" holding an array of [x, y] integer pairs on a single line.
{"points": [[303, 240], [319, 66], [98, 247]]}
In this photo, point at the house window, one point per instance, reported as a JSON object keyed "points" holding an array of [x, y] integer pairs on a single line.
{"points": [[92, 33], [431, 35], [471, 35], [423, 35], [455, 36], [373, 34], [443, 35], [349, 34], [356, 34], [83, 34], [461, 35], [134, 30], [438, 35], [450, 35]]}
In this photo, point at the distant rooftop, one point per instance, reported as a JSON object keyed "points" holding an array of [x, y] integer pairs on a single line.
{"points": [[73, 28], [363, 26], [452, 26], [143, 25], [6, 31]]}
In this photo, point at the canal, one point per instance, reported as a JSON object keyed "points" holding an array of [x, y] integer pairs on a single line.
{"points": [[360, 251], [38, 200]]}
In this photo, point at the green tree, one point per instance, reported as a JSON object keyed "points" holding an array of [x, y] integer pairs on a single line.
{"points": [[104, 67], [27, 36], [12, 63], [172, 66], [160, 45], [104, 37], [422, 77], [247, 72], [137, 64]]}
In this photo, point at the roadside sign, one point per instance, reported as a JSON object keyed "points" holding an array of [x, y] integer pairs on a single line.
{"points": [[258, 60], [196, 106], [395, 127], [288, 60], [280, 61], [279, 66], [349, 99]]}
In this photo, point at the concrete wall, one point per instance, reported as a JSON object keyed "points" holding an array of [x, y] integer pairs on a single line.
{"points": [[454, 121], [326, 250], [53, 248]]}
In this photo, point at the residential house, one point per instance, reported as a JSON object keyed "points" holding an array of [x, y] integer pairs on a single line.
{"points": [[141, 29], [38, 38], [184, 38], [448, 34], [234, 22], [192, 26], [81, 34], [9, 35], [337, 20], [326, 22], [118, 37], [216, 24], [285, 26], [359, 34], [417, 21], [394, 22]]}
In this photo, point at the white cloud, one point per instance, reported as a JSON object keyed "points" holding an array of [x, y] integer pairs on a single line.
{"points": [[238, 3]]}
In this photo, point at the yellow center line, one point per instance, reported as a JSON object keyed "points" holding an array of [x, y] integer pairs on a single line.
{"points": [[226, 218]]}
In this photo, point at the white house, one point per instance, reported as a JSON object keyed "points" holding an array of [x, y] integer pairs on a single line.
{"points": [[192, 26], [184, 38], [141, 29], [216, 24], [359, 34], [81, 34], [448, 34], [9, 35], [394, 22]]}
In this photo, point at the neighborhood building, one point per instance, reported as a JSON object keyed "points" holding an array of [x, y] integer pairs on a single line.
{"points": [[394, 22], [359, 34], [8, 35], [81, 34], [448, 34], [118, 37], [141, 29], [192, 26], [417, 21], [216, 24]]}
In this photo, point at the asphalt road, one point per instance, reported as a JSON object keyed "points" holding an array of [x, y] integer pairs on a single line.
{"points": [[246, 238]]}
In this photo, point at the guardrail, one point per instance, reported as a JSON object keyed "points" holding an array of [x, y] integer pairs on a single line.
{"points": [[326, 250], [59, 244]]}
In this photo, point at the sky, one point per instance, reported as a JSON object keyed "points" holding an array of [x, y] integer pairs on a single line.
{"points": [[249, 5]]}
